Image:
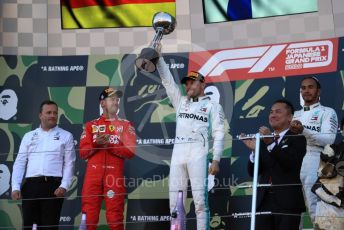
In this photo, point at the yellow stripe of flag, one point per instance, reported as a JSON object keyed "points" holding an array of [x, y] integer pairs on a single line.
{"points": [[127, 15]]}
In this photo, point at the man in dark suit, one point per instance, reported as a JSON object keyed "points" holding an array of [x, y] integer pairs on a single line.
{"points": [[279, 165]]}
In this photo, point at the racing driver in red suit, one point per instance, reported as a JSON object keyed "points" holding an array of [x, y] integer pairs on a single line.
{"points": [[105, 143]]}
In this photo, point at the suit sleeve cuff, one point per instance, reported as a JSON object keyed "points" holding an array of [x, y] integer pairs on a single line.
{"points": [[64, 185], [216, 158], [15, 188]]}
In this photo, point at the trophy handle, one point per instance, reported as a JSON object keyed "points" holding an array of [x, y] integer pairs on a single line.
{"points": [[157, 38]]}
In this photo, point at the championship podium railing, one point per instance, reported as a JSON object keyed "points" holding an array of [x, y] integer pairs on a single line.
{"points": [[254, 185]]}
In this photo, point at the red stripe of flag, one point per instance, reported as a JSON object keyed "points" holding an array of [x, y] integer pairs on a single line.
{"points": [[85, 3]]}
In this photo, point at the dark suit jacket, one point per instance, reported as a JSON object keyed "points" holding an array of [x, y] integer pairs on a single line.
{"points": [[282, 165]]}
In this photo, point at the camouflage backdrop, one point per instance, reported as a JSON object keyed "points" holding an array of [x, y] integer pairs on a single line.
{"points": [[75, 82]]}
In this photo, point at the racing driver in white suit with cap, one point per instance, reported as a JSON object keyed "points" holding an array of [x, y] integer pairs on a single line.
{"points": [[199, 122]]}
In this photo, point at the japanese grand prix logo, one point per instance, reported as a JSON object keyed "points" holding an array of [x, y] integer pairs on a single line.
{"points": [[267, 61]]}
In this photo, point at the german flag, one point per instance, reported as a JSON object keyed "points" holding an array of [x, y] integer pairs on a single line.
{"points": [[88, 14]]}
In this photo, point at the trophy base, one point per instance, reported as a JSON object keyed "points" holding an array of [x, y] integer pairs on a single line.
{"points": [[147, 60]]}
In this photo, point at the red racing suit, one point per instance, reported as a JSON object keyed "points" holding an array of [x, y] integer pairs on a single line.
{"points": [[104, 171]]}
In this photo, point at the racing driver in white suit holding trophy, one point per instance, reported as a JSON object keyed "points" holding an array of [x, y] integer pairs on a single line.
{"points": [[199, 125]]}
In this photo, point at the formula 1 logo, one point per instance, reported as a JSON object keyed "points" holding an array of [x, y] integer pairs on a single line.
{"points": [[257, 58], [266, 61]]}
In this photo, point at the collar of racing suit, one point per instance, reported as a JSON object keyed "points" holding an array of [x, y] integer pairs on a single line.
{"points": [[50, 130], [102, 117], [200, 98], [307, 108]]}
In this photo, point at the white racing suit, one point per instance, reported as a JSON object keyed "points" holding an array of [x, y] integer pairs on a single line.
{"points": [[320, 127], [196, 122], [330, 189]]}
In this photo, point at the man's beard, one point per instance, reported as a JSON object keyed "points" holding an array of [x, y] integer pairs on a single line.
{"points": [[311, 100]]}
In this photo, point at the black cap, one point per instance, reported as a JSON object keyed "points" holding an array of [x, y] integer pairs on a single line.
{"points": [[193, 75], [108, 92]]}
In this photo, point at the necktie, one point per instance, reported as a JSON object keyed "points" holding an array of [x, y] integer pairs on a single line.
{"points": [[276, 137]]}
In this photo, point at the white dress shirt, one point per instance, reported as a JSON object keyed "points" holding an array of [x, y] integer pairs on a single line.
{"points": [[272, 145], [45, 153]]}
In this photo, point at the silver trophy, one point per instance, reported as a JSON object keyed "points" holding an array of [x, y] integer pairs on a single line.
{"points": [[163, 23]]}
